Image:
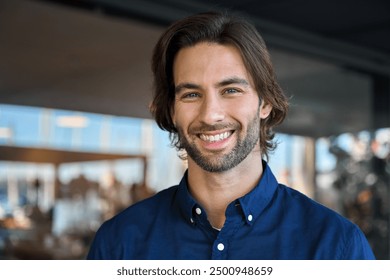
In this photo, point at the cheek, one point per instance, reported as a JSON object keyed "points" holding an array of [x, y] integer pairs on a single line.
{"points": [[182, 116], [176, 114], [245, 110]]}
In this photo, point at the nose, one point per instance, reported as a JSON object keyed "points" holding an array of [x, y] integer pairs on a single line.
{"points": [[212, 109]]}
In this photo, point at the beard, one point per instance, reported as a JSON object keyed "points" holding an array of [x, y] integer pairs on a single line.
{"points": [[218, 161]]}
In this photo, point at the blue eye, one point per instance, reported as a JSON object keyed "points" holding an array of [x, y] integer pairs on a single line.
{"points": [[191, 95], [231, 91]]}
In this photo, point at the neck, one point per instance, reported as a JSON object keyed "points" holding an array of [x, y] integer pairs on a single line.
{"points": [[215, 191]]}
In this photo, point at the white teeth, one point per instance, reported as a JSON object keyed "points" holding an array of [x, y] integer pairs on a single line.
{"points": [[215, 138]]}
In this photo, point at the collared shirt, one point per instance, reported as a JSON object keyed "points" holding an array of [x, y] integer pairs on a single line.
{"points": [[270, 222]]}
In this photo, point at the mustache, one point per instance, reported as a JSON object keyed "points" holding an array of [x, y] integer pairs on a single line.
{"points": [[202, 128]]}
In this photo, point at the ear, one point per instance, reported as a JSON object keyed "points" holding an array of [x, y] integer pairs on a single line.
{"points": [[265, 110]]}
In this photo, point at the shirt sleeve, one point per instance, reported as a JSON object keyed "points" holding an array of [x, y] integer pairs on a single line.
{"points": [[357, 247], [98, 250]]}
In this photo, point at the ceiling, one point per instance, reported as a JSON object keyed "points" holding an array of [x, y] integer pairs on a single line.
{"points": [[57, 157], [94, 56]]}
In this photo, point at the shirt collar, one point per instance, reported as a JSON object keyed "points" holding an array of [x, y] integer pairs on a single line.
{"points": [[252, 204]]}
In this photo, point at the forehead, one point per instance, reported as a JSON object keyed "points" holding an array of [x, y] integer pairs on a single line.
{"points": [[207, 61]]}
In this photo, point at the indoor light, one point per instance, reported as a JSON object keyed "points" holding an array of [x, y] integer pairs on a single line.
{"points": [[72, 121], [5, 132]]}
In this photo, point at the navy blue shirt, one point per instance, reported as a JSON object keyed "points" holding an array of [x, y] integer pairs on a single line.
{"points": [[270, 222]]}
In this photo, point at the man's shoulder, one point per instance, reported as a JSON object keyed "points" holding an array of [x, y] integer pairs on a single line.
{"points": [[315, 222], [144, 209], [159, 199], [302, 205]]}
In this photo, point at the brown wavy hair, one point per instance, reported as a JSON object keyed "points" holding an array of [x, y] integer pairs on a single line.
{"points": [[224, 29]]}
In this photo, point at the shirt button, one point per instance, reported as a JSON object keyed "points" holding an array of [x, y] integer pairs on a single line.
{"points": [[250, 218], [191, 220], [198, 211], [220, 247]]}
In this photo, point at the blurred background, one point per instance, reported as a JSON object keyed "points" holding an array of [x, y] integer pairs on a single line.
{"points": [[78, 145]]}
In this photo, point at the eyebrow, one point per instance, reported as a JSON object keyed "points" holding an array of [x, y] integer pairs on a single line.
{"points": [[233, 80], [182, 86], [225, 82]]}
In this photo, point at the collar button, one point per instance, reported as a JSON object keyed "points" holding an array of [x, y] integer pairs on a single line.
{"points": [[198, 211]]}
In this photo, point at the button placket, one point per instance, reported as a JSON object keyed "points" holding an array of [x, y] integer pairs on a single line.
{"points": [[220, 248]]}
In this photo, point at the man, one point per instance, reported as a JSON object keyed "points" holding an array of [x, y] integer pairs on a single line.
{"points": [[216, 93]]}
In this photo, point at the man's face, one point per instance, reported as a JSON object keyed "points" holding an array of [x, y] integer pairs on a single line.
{"points": [[217, 111]]}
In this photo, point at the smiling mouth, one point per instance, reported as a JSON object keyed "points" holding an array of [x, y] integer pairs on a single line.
{"points": [[215, 137]]}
